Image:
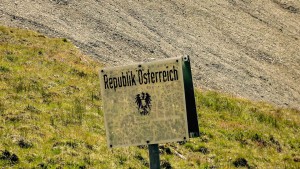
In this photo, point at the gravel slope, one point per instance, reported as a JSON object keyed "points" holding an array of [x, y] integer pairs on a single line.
{"points": [[247, 48]]}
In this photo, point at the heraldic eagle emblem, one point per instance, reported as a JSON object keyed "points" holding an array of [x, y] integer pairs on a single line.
{"points": [[143, 102]]}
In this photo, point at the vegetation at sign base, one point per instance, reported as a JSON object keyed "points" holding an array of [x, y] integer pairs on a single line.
{"points": [[50, 114]]}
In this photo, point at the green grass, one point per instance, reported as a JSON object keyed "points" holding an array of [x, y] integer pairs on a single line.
{"points": [[51, 117]]}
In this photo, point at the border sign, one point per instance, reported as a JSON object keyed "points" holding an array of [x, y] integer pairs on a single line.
{"points": [[149, 103]]}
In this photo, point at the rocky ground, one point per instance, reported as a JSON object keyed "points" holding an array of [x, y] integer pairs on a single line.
{"points": [[246, 48]]}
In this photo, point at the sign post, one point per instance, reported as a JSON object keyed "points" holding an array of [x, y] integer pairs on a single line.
{"points": [[154, 156], [148, 104]]}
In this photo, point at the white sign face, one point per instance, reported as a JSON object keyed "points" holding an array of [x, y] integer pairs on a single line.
{"points": [[144, 103]]}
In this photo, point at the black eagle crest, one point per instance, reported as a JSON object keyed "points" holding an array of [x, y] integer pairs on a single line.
{"points": [[143, 102]]}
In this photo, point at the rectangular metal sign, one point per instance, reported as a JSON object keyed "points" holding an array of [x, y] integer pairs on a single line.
{"points": [[145, 103]]}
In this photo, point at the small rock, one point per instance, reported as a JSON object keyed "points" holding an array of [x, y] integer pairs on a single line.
{"points": [[5, 155], [204, 150], [165, 165], [297, 159], [24, 144], [12, 158], [240, 162]]}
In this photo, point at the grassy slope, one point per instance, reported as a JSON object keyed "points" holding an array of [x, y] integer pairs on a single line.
{"points": [[50, 113]]}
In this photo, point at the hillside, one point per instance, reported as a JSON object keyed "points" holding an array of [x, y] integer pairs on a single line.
{"points": [[51, 117], [246, 48]]}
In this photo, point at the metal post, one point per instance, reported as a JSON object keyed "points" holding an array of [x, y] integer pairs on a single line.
{"points": [[154, 156]]}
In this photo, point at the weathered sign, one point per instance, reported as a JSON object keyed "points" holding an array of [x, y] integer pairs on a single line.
{"points": [[146, 103]]}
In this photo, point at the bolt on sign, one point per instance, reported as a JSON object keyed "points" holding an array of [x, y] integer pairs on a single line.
{"points": [[149, 103]]}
